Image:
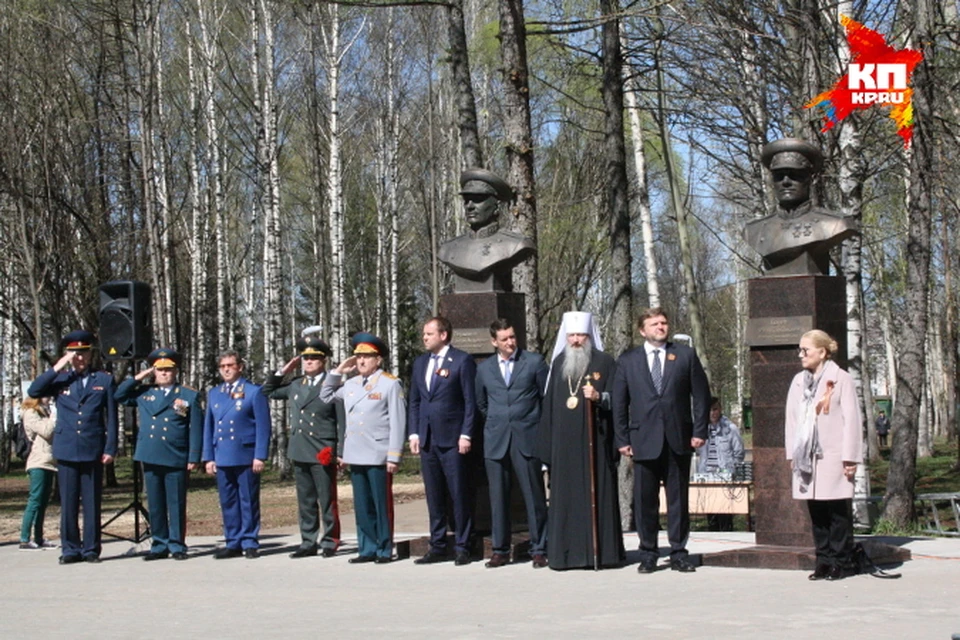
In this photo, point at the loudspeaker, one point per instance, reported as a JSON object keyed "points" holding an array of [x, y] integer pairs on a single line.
{"points": [[126, 320]]}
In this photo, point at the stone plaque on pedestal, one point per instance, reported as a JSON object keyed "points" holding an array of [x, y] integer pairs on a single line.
{"points": [[471, 315]]}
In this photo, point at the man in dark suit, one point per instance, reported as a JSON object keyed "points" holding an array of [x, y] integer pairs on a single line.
{"points": [[661, 405], [168, 445], [509, 391], [236, 439], [85, 439], [315, 426], [441, 425]]}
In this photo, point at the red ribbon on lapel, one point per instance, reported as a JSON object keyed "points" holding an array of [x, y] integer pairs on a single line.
{"points": [[824, 405]]}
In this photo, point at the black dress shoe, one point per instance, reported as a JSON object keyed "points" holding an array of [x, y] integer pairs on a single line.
{"points": [[92, 558], [71, 559], [179, 555], [820, 572], [838, 572], [304, 552], [497, 560], [251, 553], [463, 558], [539, 561], [159, 555], [327, 552], [383, 560], [227, 552], [682, 565], [647, 566], [362, 559], [431, 558]]}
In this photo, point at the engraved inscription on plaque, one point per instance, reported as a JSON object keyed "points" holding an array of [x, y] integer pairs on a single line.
{"points": [[775, 332], [473, 341]]}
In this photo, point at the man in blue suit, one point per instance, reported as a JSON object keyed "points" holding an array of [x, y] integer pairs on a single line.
{"points": [[441, 424], [168, 445], [661, 404], [236, 439], [85, 439], [509, 391]]}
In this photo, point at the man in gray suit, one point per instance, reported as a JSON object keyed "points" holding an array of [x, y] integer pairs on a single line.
{"points": [[314, 429], [509, 390]]}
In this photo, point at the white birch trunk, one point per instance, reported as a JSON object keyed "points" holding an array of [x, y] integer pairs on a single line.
{"points": [[643, 193], [338, 337]]}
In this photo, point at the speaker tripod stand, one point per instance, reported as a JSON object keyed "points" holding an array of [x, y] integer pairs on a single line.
{"points": [[136, 505]]}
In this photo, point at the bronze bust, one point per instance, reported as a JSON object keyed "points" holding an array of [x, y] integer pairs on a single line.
{"points": [[483, 258], [797, 239]]}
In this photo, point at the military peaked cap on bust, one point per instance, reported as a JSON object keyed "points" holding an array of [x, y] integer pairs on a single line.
{"points": [[367, 343], [483, 182], [164, 358], [79, 340], [313, 346], [791, 153]]}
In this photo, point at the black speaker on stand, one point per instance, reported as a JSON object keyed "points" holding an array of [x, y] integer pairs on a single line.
{"points": [[126, 333]]}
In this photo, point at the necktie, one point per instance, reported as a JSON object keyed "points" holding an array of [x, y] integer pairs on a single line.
{"points": [[506, 372], [431, 370], [364, 383], [656, 372], [230, 389]]}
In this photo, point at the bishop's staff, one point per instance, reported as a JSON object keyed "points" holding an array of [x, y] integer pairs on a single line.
{"points": [[594, 511]]}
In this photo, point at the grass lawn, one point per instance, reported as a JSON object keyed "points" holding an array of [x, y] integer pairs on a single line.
{"points": [[278, 502]]}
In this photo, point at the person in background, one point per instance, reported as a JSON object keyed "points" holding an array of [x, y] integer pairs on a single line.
{"points": [[822, 437], [41, 467], [722, 451], [883, 428]]}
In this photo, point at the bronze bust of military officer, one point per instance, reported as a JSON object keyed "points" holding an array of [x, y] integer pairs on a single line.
{"points": [[797, 239], [483, 258]]}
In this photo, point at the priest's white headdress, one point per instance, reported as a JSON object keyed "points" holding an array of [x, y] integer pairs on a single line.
{"points": [[576, 322]]}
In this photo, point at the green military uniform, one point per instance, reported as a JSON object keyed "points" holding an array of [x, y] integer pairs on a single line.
{"points": [[314, 426]]}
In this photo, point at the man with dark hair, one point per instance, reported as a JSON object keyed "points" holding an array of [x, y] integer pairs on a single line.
{"points": [[441, 425], [236, 440], [509, 390], [661, 400], [85, 440], [314, 427]]}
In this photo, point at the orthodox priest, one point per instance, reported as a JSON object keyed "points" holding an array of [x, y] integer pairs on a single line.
{"points": [[580, 372]]}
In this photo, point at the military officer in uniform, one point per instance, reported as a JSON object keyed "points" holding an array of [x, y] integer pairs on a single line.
{"points": [[376, 425], [168, 445], [313, 447], [236, 439], [85, 439]]}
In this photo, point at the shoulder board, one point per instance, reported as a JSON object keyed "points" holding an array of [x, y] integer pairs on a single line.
{"points": [[186, 388], [389, 376]]}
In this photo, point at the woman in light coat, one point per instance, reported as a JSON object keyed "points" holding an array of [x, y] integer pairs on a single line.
{"points": [[41, 468], [824, 442]]}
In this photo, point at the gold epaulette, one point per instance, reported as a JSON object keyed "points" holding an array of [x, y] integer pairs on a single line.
{"points": [[389, 376]]}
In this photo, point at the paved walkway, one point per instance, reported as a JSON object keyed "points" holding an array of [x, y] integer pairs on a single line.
{"points": [[276, 597]]}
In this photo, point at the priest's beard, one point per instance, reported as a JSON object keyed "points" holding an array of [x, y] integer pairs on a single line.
{"points": [[576, 360]]}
